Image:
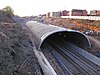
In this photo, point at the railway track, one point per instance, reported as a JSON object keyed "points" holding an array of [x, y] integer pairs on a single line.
{"points": [[70, 60]]}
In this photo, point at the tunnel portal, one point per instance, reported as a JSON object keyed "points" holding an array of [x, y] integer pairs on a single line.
{"points": [[43, 33]]}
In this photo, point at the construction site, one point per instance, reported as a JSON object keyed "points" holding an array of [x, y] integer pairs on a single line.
{"points": [[49, 46]]}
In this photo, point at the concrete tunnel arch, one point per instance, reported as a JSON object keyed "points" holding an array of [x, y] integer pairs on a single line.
{"points": [[42, 33], [74, 37]]}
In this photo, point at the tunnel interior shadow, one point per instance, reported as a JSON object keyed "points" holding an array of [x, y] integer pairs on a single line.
{"points": [[75, 38]]}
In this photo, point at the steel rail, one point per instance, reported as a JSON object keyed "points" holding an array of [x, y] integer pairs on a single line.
{"points": [[79, 59], [84, 66], [75, 68], [53, 52], [72, 50]]}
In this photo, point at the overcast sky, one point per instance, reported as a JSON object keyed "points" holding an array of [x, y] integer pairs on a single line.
{"points": [[36, 7]]}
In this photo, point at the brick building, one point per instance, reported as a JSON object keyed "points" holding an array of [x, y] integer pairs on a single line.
{"points": [[77, 12], [65, 13]]}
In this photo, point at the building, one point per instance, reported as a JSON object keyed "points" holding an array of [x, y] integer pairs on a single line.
{"points": [[65, 13], [55, 14], [48, 14], [95, 12], [77, 12]]}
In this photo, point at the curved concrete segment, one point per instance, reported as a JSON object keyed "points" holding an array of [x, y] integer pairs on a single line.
{"points": [[43, 33]]}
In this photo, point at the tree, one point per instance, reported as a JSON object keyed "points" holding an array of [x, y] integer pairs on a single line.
{"points": [[9, 11]]}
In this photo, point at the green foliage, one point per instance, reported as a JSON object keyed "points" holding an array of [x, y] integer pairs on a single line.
{"points": [[9, 11]]}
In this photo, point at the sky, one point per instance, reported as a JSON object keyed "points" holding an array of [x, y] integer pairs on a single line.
{"points": [[36, 7]]}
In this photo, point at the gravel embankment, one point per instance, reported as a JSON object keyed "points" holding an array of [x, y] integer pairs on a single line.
{"points": [[16, 54]]}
